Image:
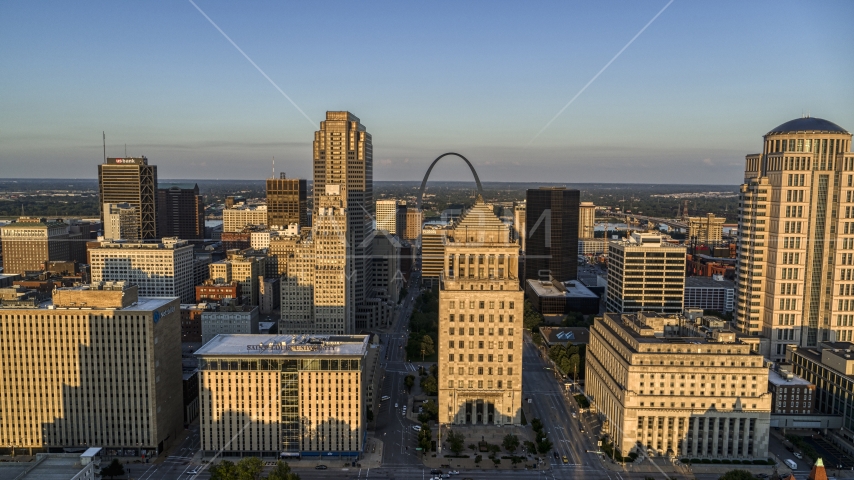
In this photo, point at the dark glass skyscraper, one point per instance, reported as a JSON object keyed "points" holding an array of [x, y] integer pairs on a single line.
{"points": [[180, 211], [551, 247], [287, 202]]}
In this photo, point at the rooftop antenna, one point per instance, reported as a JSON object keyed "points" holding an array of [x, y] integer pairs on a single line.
{"points": [[104, 138], [126, 150], [274, 167]]}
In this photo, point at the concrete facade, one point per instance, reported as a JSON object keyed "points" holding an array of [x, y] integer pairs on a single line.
{"points": [[645, 275], [98, 366], [684, 396], [480, 323]]}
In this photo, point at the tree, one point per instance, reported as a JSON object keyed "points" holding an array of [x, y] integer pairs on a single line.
{"points": [[282, 471], [409, 382], [531, 318], [249, 468], [536, 424], [530, 447], [456, 442], [429, 385], [544, 445], [114, 469], [511, 442], [434, 370], [431, 412], [425, 437], [225, 470], [427, 347], [737, 475]]}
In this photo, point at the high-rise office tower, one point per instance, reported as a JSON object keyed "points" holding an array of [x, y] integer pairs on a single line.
{"points": [[480, 323], [586, 219], [343, 155], [287, 202], [120, 222], [796, 237], [131, 180], [645, 275], [29, 242], [413, 224], [387, 216], [99, 366], [180, 211], [240, 216], [551, 246]]}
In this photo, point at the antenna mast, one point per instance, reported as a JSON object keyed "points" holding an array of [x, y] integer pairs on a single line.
{"points": [[104, 138], [274, 167]]}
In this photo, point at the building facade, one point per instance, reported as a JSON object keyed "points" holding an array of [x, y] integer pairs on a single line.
{"points": [[830, 367], [433, 251], [706, 230], [551, 245], [97, 366], [240, 216], [30, 242], [709, 293], [480, 323], [180, 211], [159, 269], [794, 276], [677, 394], [228, 319], [387, 216], [308, 395], [790, 394], [520, 213], [413, 224], [243, 269], [287, 202], [120, 222], [645, 275], [586, 220], [388, 279], [131, 180]]}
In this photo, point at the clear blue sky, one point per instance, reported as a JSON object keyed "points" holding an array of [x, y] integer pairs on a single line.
{"points": [[683, 104]]}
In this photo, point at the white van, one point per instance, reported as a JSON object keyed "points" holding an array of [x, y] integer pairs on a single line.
{"points": [[791, 464]]}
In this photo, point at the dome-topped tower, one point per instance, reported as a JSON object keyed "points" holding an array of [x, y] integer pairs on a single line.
{"points": [[808, 125]]}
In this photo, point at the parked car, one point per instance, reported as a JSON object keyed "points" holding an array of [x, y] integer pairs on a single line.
{"points": [[320, 467], [417, 428], [395, 405], [385, 397]]}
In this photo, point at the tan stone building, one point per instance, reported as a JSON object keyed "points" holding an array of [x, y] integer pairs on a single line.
{"points": [[706, 230], [387, 216], [413, 224], [29, 242], [240, 216], [480, 323], [243, 269], [269, 394], [520, 214], [97, 366], [795, 271], [686, 396]]}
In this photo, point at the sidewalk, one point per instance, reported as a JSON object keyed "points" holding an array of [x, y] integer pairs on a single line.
{"points": [[494, 436]]}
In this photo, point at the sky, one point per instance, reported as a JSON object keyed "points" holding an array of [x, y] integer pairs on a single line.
{"points": [[683, 102]]}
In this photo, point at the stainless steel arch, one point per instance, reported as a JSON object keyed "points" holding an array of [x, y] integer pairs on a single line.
{"points": [[426, 175]]}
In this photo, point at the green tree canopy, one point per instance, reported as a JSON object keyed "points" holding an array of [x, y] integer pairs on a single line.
{"points": [[429, 385], [409, 382], [511, 442], [282, 471], [737, 475], [456, 442], [114, 469]]}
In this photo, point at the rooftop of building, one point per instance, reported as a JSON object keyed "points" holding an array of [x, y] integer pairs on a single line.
{"points": [[667, 329], [808, 124], [274, 344], [776, 378], [570, 289], [646, 240], [716, 281], [34, 222], [53, 466], [177, 186], [166, 243], [243, 206]]}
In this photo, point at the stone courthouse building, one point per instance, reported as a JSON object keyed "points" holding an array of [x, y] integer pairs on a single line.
{"points": [[660, 387], [480, 322]]}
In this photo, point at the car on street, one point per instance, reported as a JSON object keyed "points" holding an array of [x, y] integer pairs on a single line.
{"points": [[395, 404], [574, 415], [320, 467], [435, 471], [385, 397], [565, 460], [194, 471], [454, 472], [417, 428], [557, 457]]}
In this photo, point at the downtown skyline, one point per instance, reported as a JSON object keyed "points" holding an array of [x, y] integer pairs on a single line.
{"points": [[682, 104]]}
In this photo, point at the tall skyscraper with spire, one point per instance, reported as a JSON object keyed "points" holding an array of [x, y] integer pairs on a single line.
{"points": [[795, 271], [133, 181]]}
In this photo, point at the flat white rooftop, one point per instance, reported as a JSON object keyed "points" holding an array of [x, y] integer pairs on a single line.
{"points": [[256, 345]]}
